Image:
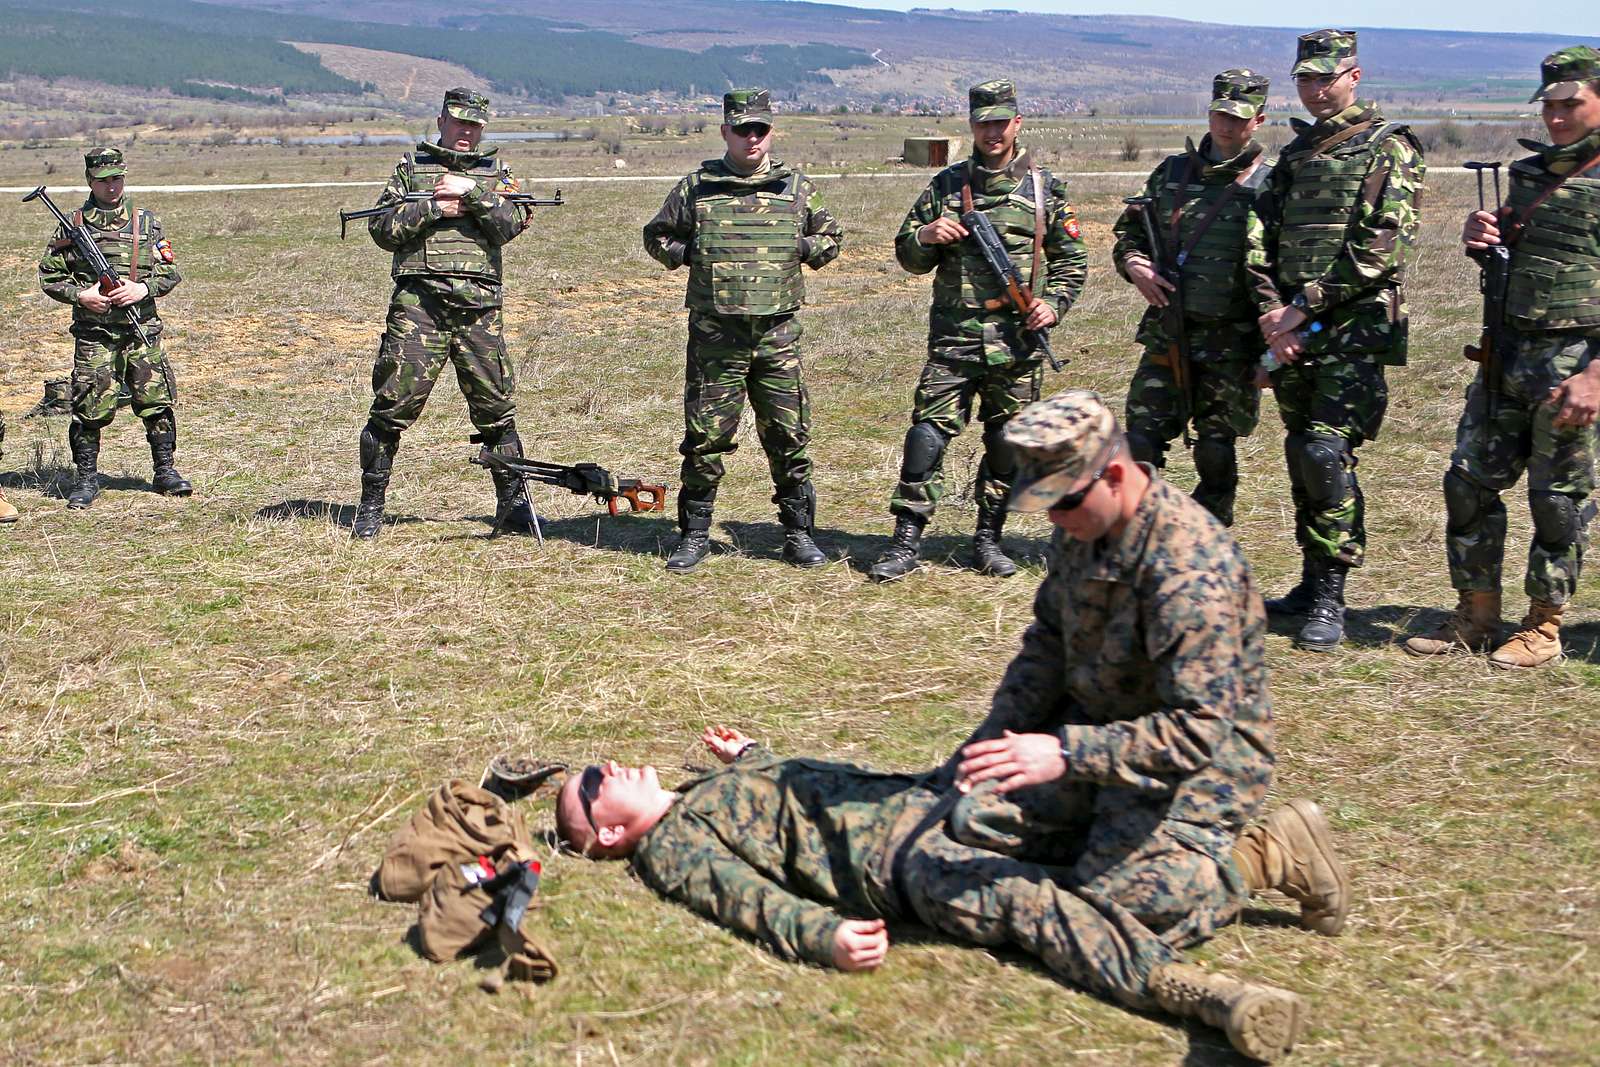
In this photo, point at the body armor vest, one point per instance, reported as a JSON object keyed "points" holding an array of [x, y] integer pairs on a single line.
{"points": [[746, 254], [1555, 265], [1322, 204], [129, 249], [965, 280], [1213, 288], [451, 246]]}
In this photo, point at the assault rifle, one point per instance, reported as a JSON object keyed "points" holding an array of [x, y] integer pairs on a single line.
{"points": [[1173, 315], [582, 478], [1494, 281], [89, 252], [525, 199], [1018, 296]]}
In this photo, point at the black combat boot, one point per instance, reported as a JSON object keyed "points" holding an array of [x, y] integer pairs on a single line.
{"points": [[85, 444], [162, 433], [798, 512], [987, 555], [377, 460], [513, 511], [694, 526], [1298, 600], [1325, 620], [900, 558]]}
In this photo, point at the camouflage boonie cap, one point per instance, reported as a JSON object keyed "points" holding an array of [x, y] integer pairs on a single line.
{"points": [[1059, 442], [104, 163], [467, 106], [1239, 92], [747, 105], [992, 100], [1325, 52], [1563, 74]]}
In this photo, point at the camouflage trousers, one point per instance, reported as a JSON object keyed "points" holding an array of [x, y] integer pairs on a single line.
{"points": [[1330, 407], [420, 334], [1227, 406], [729, 357], [942, 407], [1491, 454], [1096, 883], [105, 361]]}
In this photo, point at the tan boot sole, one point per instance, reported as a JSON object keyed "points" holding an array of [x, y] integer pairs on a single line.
{"points": [[1327, 923], [1266, 1023]]}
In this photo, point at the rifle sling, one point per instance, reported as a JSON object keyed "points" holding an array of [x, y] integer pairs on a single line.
{"points": [[1213, 211], [1038, 217], [1521, 221], [133, 259]]}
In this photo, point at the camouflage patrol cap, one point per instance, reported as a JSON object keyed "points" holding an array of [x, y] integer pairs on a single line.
{"points": [[1563, 74], [104, 163], [467, 105], [1239, 92], [1325, 52], [747, 105], [992, 100], [1059, 442]]}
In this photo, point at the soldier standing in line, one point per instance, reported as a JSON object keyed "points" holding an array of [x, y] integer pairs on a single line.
{"points": [[447, 304], [8, 513], [744, 224], [107, 354], [1548, 393], [1199, 199], [1329, 245], [976, 348]]}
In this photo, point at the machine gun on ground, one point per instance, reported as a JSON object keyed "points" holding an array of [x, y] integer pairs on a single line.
{"points": [[1018, 296], [93, 258], [524, 199], [588, 479]]}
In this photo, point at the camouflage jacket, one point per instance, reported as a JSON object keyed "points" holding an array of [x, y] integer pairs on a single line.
{"points": [[498, 222], [781, 850], [1220, 270], [1360, 298], [669, 237], [1147, 656], [62, 275], [959, 326]]}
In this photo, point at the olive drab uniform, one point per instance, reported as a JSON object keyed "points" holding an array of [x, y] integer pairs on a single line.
{"points": [[744, 238], [108, 355], [447, 305], [977, 351], [1333, 237]]}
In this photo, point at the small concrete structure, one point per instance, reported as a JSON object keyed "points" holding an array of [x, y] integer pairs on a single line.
{"points": [[931, 151]]}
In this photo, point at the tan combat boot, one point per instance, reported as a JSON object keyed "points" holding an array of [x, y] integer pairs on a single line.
{"points": [[1261, 1021], [1473, 626], [1291, 851], [1537, 640], [7, 512]]}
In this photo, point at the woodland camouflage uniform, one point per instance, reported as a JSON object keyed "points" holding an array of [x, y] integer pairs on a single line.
{"points": [[446, 306], [108, 356], [1553, 326], [744, 238], [1333, 237], [977, 353], [1199, 208]]}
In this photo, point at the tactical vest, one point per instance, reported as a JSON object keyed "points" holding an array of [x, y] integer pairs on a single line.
{"points": [[1213, 290], [129, 248], [1322, 204], [1555, 267], [746, 254], [965, 280], [451, 246]]}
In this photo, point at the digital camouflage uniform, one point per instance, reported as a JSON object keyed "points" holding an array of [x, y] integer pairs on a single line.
{"points": [[1199, 204], [107, 356], [447, 303], [744, 238]]}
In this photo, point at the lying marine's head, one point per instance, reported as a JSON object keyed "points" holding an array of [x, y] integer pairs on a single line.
{"points": [[462, 119], [605, 810], [1569, 89]]}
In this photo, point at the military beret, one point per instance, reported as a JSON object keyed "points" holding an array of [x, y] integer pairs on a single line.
{"points": [[1058, 442], [1238, 92], [467, 105], [992, 100], [747, 105], [1563, 74], [1325, 52], [104, 163]]}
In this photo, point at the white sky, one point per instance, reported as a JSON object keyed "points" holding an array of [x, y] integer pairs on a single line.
{"points": [[1577, 18]]}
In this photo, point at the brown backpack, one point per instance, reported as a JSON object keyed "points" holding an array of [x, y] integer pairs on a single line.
{"points": [[460, 823]]}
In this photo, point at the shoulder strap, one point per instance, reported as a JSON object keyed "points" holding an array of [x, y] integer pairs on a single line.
{"points": [[133, 258], [1038, 222], [1348, 134], [1239, 182], [1519, 221], [1176, 216]]}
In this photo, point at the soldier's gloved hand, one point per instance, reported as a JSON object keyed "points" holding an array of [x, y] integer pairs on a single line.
{"points": [[941, 231], [1152, 286], [1041, 316], [127, 293], [1014, 760], [1578, 399], [1481, 230], [93, 299], [860, 944]]}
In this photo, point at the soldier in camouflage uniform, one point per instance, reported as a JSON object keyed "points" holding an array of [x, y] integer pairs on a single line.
{"points": [[1328, 248], [8, 513], [976, 348], [744, 224], [107, 354], [1200, 199], [1543, 416], [446, 304]]}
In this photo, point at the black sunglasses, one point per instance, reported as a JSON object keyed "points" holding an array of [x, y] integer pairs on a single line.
{"points": [[748, 129], [588, 789], [1075, 498]]}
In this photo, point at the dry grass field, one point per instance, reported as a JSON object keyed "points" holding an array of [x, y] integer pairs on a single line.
{"points": [[215, 710]]}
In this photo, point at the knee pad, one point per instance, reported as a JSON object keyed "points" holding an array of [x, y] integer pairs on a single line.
{"points": [[1464, 501], [1324, 470], [1145, 449], [377, 448], [924, 449], [1216, 461], [1555, 519]]}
